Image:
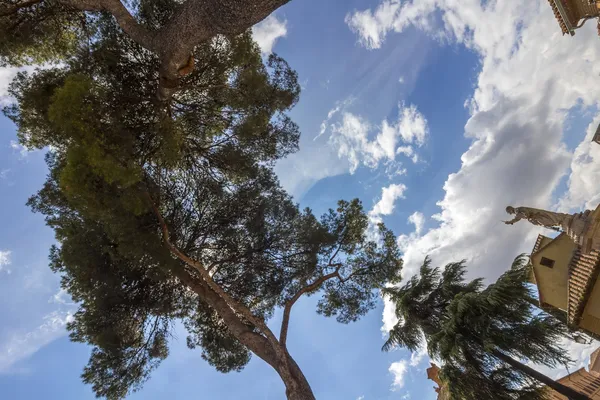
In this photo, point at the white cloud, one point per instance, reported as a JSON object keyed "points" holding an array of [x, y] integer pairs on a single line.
{"points": [[530, 79], [360, 398], [580, 353], [22, 150], [351, 137], [389, 195], [372, 27], [22, 345], [326, 122], [519, 106], [398, 370], [418, 356], [412, 126], [583, 189], [418, 220], [61, 297], [6, 77], [4, 259], [268, 31]]}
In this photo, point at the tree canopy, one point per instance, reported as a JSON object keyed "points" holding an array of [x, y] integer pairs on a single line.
{"points": [[480, 334], [35, 31], [168, 213]]}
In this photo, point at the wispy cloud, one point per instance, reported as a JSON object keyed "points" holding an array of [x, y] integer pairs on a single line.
{"points": [[267, 32], [61, 297], [352, 137], [518, 110], [22, 345], [20, 149], [385, 206], [4, 259], [418, 356], [398, 370], [339, 106]]}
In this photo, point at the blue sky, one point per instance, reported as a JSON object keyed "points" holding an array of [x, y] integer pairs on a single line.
{"points": [[437, 114]]}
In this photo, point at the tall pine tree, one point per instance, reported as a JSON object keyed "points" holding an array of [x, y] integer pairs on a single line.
{"points": [[172, 213], [482, 335]]}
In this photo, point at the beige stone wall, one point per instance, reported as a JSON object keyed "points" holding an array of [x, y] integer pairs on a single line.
{"points": [[582, 8], [578, 9], [590, 319], [553, 282], [583, 382]]}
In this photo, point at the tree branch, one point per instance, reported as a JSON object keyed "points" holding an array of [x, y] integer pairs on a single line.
{"points": [[9, 10], [283, 368], [335, 254], [193, 22], [289, 304], [256, 343], [235, 305], [130, 26]]}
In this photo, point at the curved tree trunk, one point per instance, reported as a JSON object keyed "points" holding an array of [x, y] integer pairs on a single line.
{"points": [[302, 390], [296, 384], [551, 383]]}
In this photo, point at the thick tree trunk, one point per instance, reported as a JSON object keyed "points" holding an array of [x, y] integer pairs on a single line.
{"points": [[551, 383], [194, 22], [301, 390], [297, 386]]}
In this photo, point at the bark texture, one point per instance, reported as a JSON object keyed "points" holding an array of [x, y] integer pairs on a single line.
{"points": [[194, 22]]}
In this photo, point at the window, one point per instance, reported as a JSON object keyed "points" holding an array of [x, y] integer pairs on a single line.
{"points": [[546, 262]]}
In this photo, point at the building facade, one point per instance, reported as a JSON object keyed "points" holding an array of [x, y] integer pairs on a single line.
{"points": [[566, 279], [587, 383], [596, 137], [441, 389], [572, 14]]}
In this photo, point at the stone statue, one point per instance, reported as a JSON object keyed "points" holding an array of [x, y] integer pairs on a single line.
{"points": [[548, 219], [580, 227]]}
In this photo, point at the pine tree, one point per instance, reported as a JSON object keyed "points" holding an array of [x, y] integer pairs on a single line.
{"points": [[482, 335], [176, 215], [35, 31]]}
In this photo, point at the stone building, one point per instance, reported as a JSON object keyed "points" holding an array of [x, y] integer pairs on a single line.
{"points": [[596, 137], [584, 382], [441, 389], [566, 280], [572, 14]]}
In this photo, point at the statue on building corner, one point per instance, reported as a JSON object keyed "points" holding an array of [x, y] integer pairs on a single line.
{"points": [[581, 227], [536, 216]]}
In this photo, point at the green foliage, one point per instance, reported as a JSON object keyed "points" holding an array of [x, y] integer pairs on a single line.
{"points": [[422, 302], [219, 347], [503, 383], [341, 245], [46, 31], [467, 327], [204, 160]]}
